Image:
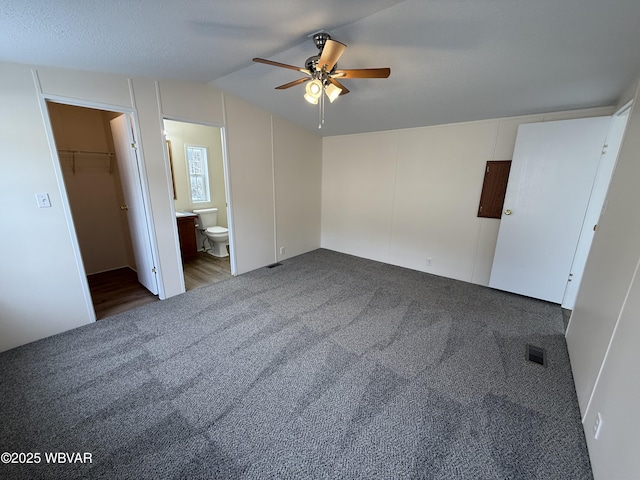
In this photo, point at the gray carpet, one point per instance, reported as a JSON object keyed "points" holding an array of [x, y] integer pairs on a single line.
{"points": [[329, 366]]}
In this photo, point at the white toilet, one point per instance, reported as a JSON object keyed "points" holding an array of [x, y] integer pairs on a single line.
{"points": [[218, 237]]}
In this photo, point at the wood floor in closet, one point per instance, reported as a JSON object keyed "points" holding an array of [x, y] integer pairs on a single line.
{"points": [[118, 290]]}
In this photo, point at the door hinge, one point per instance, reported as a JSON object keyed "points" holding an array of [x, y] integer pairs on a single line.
{"points": [[487, 169], [133, 145], [154, 270]]}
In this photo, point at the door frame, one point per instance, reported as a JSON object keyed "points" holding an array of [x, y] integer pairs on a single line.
{"points": [[66, 206], [227, 184]]}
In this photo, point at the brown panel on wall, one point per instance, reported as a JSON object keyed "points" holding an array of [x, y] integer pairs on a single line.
{"points": [[494, 188]]}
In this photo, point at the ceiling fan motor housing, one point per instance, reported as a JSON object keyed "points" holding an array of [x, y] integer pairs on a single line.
{"points": [[320, 39], [311, 64]]}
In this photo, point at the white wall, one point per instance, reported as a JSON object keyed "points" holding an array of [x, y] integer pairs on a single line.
{"points": [[617, 397], [298, 167], [403, 196], [251, 183], [152, 154], [605, 325], [43, 288]]}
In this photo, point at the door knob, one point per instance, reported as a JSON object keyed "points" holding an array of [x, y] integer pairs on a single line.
{"points": [[508, 212]]}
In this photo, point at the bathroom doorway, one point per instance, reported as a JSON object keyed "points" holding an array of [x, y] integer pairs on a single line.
{"points": [[199, 180], [111, 227]]}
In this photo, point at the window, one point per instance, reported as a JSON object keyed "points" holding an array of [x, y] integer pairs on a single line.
{"points": [[198, 173]]}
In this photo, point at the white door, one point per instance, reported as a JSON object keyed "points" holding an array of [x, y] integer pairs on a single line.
{"points": [[552, 173], [128, 167], [596, 202]]}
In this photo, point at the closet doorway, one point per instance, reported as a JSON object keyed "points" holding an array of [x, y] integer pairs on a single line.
{"points": [[109, 220], [199, 181]]}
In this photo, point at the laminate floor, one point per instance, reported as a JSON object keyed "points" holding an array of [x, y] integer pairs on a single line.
{"points": [[118, 290], [204, 270]]}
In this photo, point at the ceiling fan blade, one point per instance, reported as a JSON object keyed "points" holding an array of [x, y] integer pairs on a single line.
{"points": [[363, 73], [282, 65], [294, 83], [330, 54], [344, 89]]}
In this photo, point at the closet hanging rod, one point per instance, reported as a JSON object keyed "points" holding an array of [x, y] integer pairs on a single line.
{"points": [[86, 152], [75, 153]]}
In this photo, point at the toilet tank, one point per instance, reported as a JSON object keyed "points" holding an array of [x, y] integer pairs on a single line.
{"points": [[207, 217]]}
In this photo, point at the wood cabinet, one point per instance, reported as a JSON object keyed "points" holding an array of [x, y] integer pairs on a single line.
{"points": [[187, 234]]}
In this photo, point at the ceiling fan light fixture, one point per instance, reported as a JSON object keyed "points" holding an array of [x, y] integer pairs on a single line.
{"points": [[332, 92], [310, 99], [314, 89]]}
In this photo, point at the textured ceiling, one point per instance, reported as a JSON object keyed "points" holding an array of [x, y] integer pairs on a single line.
{"points": [[451, 60]]}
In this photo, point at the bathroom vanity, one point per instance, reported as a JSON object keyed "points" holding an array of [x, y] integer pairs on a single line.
{"points": [[187, 234]]}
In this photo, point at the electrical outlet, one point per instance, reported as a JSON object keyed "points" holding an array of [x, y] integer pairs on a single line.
{"points": [[597, 426], [281, 250], [43, 200], [429, 262]]}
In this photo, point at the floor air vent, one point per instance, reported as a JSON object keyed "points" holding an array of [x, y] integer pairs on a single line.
{"points": [[273, 265], [536, 355]]}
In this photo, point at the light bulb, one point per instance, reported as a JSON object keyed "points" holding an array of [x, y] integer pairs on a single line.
{"points": [[310, 99], [314, 88], [332, 92]]}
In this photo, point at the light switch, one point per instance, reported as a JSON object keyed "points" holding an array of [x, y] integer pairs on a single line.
{"points": [[43, 200]]}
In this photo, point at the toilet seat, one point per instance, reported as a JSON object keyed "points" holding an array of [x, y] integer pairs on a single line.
{"points": [[217, 230]]}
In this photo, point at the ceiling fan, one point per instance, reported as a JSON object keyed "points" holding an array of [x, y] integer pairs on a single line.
{"points": [[322, 73]]}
